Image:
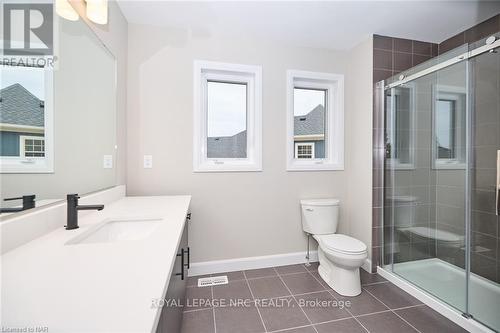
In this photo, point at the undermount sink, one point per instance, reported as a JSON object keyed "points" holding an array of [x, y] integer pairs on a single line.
{"points": [[114, 230]]}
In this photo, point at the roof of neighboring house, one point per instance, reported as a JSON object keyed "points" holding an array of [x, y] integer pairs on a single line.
{"points": [[228, 146], [20, 107], [311, 123], [236, 146]]}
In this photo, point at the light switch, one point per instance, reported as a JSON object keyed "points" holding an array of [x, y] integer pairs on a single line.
{"points": [[107, 162], [148, 161]]}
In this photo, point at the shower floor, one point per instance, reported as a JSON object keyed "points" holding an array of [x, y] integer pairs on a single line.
{"points": [[447, 282]]}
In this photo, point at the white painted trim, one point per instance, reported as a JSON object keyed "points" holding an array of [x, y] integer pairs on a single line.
{"points": [[21, 128], [334, 147], [445, 310], [231, 265], [252, 76], [311, 137]]}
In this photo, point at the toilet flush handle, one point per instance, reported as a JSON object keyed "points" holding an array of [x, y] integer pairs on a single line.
{"points": [[309, 209]]}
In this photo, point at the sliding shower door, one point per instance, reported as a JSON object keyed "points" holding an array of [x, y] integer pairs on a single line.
{"points": [[484, 289], [442, 179], [426, 180]]}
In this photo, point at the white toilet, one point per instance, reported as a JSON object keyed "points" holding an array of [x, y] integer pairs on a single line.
{"points": [[340, 256]]}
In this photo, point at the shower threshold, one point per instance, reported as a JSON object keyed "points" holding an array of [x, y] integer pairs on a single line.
{"points": [[423, 278]]}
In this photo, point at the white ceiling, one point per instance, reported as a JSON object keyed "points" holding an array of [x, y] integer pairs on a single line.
{"points": [[322, 24]]}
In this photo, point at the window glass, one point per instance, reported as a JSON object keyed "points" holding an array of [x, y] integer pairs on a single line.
{"points": [[309, 111], [227, 120]]}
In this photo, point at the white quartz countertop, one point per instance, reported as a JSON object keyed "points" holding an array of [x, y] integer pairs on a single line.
{"points": [[97, 287]]}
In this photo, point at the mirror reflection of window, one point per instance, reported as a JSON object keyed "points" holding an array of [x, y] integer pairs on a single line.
{"points": [[449, 132], [399, 127], [309, 107], [23, 113]]}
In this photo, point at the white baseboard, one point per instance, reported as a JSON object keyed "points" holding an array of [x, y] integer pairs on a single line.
{"points": [[231, 265]]}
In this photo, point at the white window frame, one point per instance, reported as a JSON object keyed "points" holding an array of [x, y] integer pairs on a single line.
{"points": [[334, 143], [452, 93], [310, 144], [22, 144], [21, 164], [395, 163], [205, 71]]}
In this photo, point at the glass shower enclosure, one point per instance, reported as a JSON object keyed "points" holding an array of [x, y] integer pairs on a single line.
{"points": [[441, 178]]}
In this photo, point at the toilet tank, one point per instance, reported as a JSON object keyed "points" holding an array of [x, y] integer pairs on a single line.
{"points": [[401, 210], [320, 216]]}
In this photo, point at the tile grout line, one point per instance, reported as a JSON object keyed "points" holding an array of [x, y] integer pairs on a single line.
{"points": [[305, 314], [393, 311], [253, 297], [292, 328], [349, 312]]}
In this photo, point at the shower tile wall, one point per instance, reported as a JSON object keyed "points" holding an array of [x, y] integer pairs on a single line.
{"points": [[471, 35], [392, 56]]}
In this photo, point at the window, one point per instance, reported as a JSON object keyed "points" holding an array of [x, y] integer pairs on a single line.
{"points": [[227, 117], [26, 119], [449, 132], [32, 146], [315, 121], [400, 122], [304, 150]]}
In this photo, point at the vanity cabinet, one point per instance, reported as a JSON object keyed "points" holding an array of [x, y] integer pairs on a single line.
{"points": [[171, 316]]}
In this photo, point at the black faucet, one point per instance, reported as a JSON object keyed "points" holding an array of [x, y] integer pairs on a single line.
{"points": [[74, 207], [28, 203]]}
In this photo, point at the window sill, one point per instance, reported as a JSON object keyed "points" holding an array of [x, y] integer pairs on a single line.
{"points": [[314, 166], [212, 166]]}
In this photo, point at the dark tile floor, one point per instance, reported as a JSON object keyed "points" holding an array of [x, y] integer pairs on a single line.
{"points": [[294, 299]]}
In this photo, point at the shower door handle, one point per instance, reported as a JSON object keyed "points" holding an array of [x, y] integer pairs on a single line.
{"points": [[497, 186]]}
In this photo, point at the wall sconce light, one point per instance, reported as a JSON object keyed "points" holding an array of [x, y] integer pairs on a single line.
{"points": [[65, 10], [97, 11]]}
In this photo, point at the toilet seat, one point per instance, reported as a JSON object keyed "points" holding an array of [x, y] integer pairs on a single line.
{"points": [[341, 244]]}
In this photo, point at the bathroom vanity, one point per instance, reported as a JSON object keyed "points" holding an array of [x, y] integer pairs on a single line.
{"points": [[110, 274]]}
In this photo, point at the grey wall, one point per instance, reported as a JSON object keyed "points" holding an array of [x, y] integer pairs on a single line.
{"points": [[234, 214], [115, 36]]}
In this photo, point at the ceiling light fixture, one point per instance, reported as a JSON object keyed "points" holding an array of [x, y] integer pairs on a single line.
{"points": [[65, 10], [97, 11]]}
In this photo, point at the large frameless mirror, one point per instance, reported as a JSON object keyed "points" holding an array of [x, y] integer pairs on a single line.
{"points": [[58, 123]]}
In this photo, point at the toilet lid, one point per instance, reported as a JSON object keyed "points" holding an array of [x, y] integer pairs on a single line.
{"points": [[342, 243]]}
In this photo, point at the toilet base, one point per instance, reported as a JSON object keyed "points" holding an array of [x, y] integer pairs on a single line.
{"points": [[345, 281]]}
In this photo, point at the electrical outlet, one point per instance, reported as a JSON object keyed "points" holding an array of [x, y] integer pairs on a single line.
{"points": [[148, 161], [107, 162]]}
